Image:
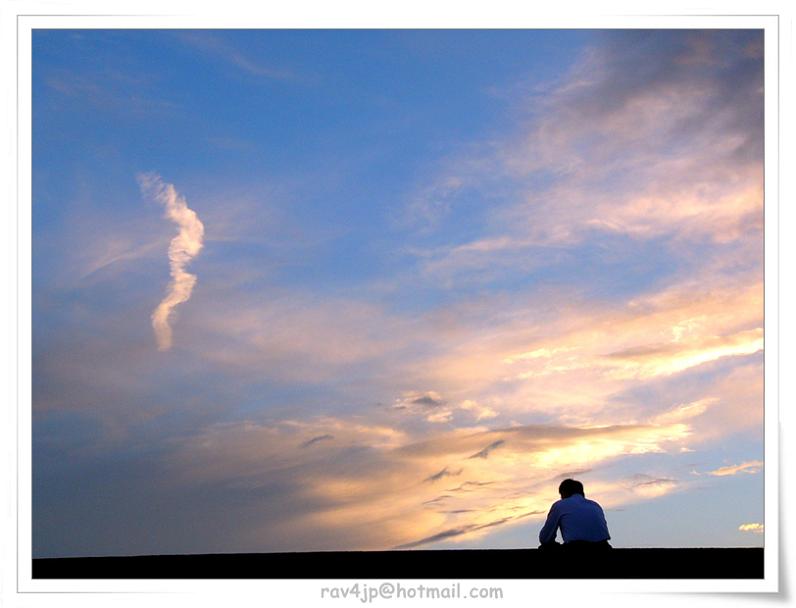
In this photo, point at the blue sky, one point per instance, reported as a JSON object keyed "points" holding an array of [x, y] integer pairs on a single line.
{"points": [[375, 254]]}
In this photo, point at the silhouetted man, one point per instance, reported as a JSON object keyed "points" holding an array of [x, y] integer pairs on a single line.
{"points": [[581, 520]]}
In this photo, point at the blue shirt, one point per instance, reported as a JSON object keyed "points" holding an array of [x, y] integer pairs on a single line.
{"points": [[579, 519]]}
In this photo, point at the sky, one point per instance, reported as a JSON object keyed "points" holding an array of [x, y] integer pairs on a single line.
{"points": [[329, 290]]}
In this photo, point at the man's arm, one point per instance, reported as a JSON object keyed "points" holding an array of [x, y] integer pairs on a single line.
{"points": [[548, 531], [605, 523]]}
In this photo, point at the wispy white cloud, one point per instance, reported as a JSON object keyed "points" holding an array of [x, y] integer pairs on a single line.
{"points": [[217, 46], [182, 249], [109, 90], [754, 528], [117, 251]]}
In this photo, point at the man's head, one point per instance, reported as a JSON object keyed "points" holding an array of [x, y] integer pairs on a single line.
{"points": [[569, 487]]}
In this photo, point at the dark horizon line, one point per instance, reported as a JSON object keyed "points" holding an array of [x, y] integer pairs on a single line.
{"points": [[394, 550], [619, 563]]}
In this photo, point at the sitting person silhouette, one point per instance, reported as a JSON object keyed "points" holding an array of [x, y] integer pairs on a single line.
{"points": [[581, 520]]}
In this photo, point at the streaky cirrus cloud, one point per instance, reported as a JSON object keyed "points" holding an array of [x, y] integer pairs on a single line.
{"points": [[750, 467], [218, 47], [183, 248], [577, 361], [754, 528]]}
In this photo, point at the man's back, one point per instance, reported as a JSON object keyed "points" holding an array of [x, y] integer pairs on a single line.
{"points": [[579, 518]]}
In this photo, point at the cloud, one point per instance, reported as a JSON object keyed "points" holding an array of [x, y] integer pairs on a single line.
{"points": [[428, 207], [362, 491], [295, 336], [467, 529], [636, 143], [429, 404], [750, 467], [115, 251], [427, 399], [484, 453], [442, 473], [182, 249], [217, 46], [453, 532], [317, 439], [430, 399], [655, 360], [690, 135], [739, 407], [580, 360], [548, 445], [652, 487], [481, 412], [469, 486], [112, 91], [572, 474], [685, 411], [754, 528]]}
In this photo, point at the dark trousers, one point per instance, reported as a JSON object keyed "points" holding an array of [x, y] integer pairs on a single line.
{"points": [[576, 546]]}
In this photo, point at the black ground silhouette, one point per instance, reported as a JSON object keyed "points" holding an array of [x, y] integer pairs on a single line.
{"points": [[709, 563]]}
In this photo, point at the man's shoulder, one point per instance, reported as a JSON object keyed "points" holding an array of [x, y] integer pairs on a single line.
{"points": [[594, 503]]}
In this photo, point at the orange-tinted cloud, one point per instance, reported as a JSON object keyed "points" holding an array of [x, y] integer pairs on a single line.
{"points": [[615, 148], [371, 486], [750, 467]]}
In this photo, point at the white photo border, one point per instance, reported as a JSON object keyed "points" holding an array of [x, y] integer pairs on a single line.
{"points": [[308, 590]]}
